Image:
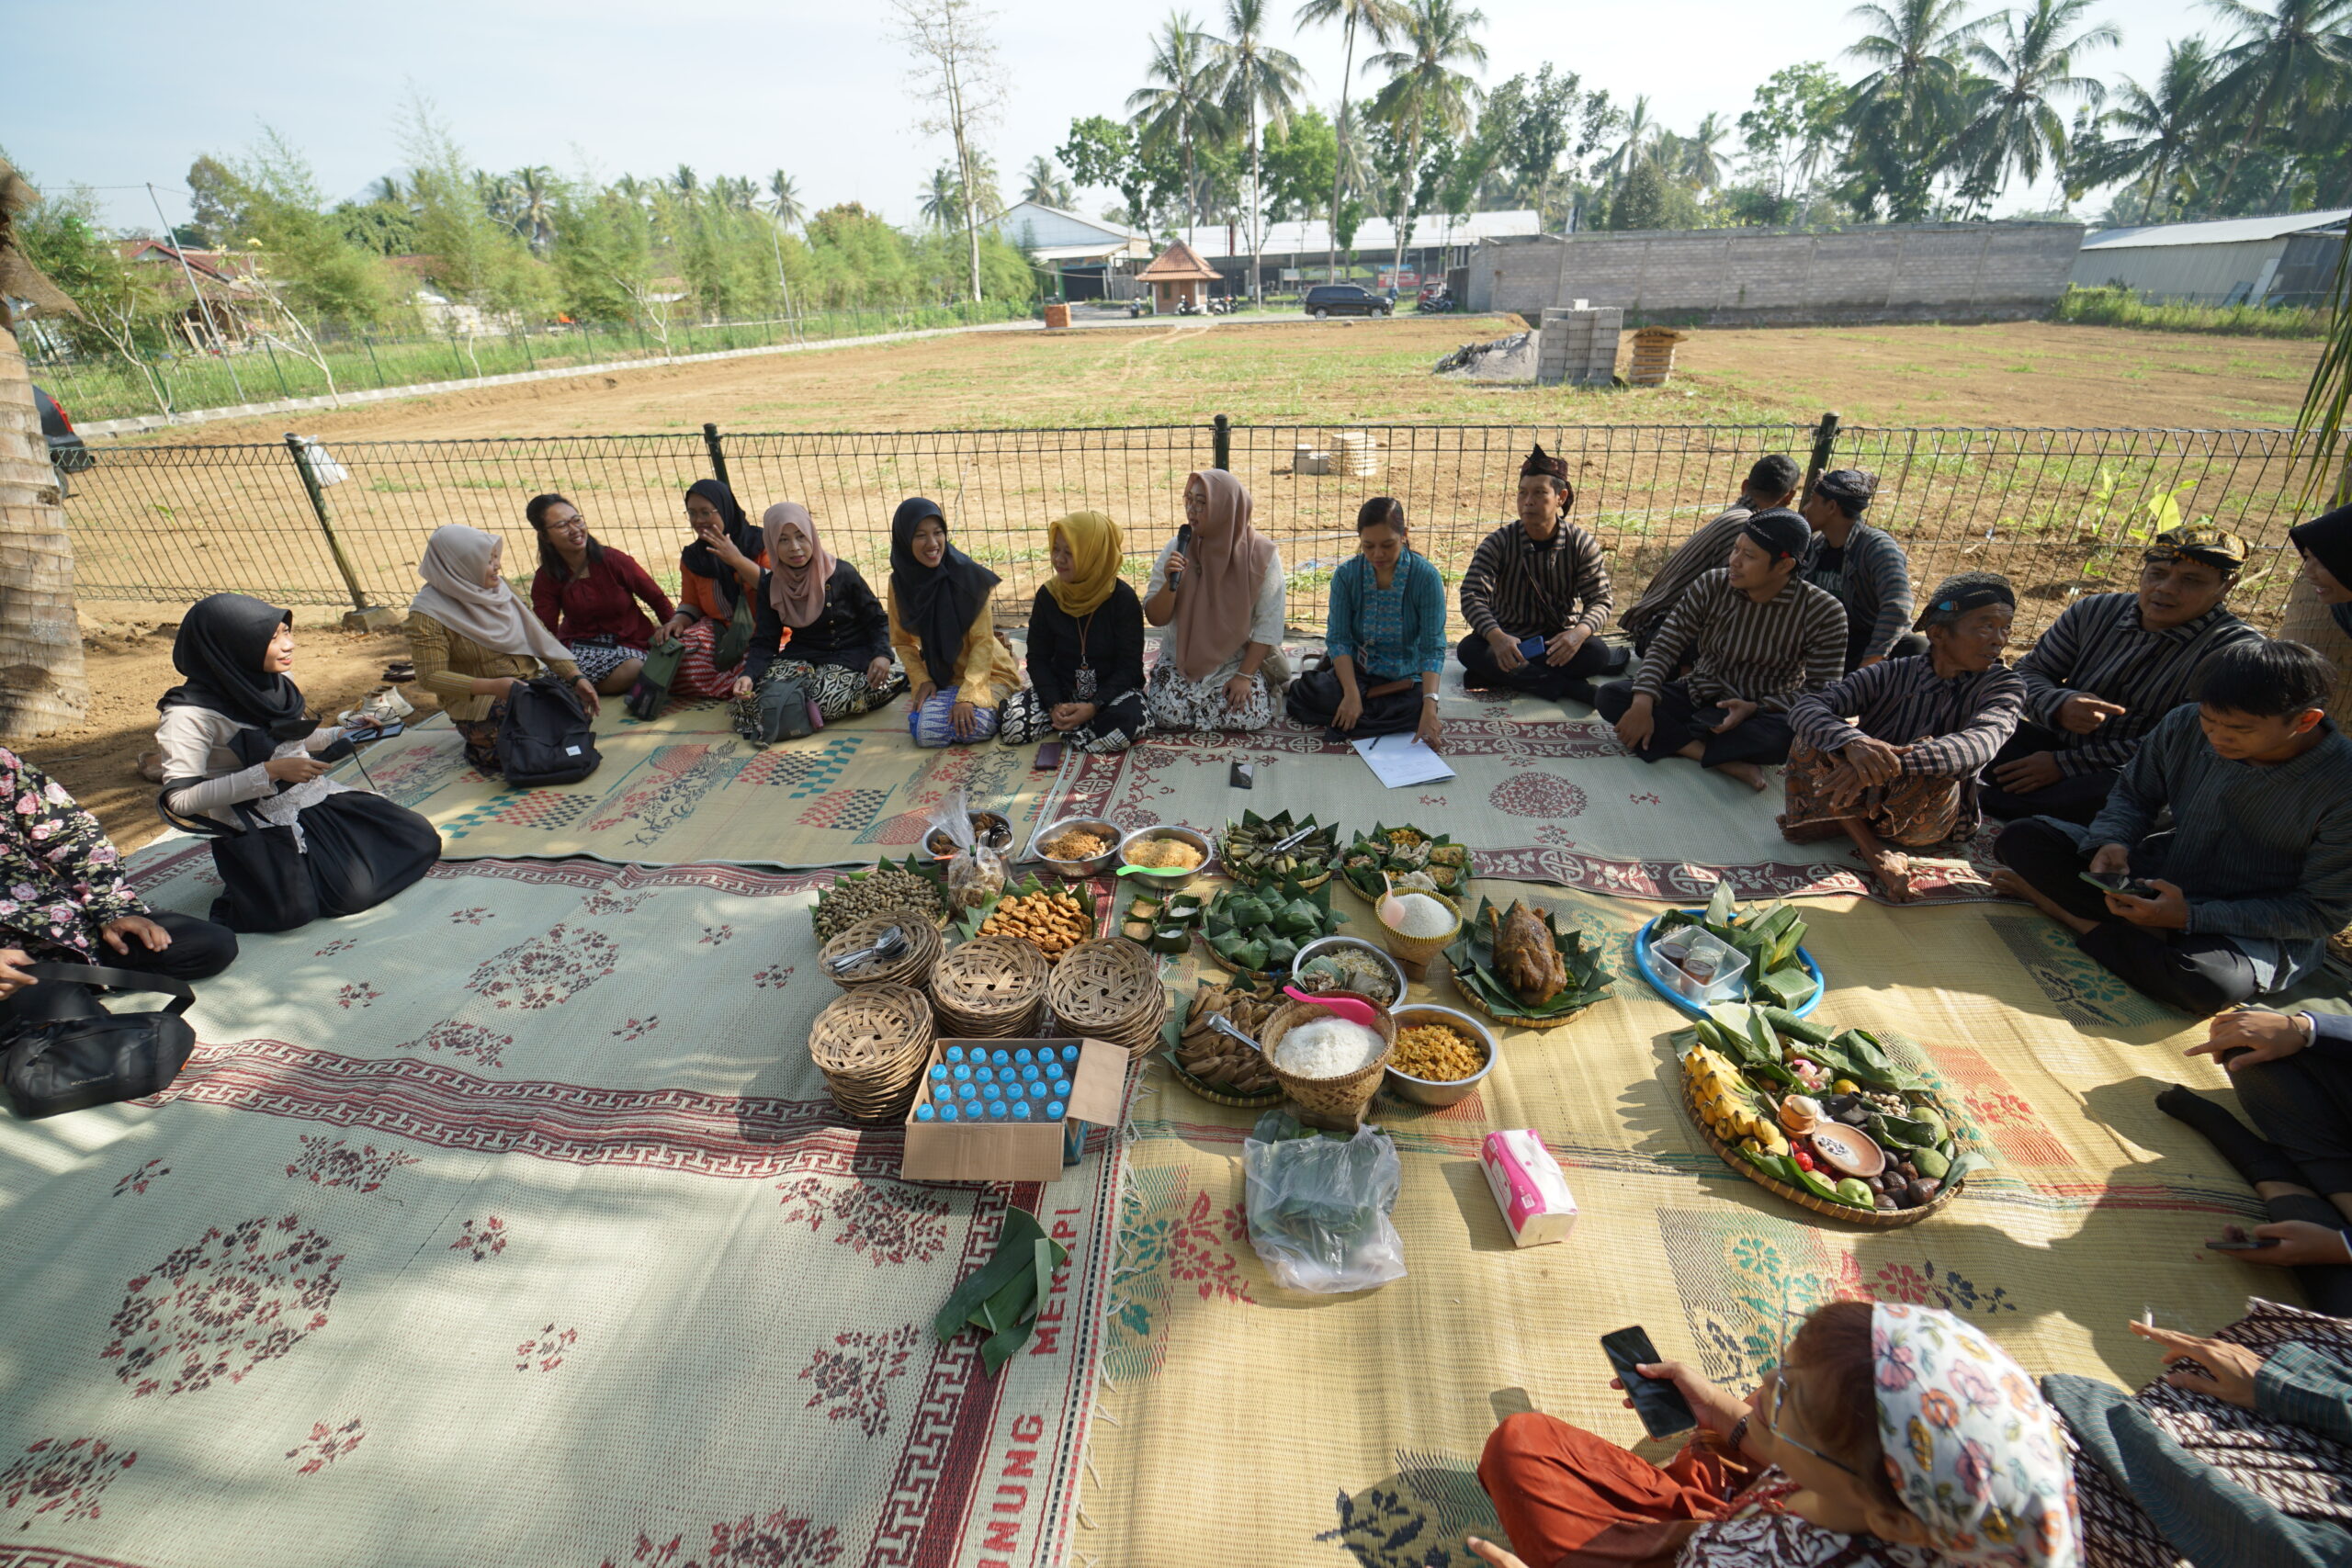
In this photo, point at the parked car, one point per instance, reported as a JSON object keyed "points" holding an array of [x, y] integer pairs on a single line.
{"points": [[67, 454], [1326, 299]]}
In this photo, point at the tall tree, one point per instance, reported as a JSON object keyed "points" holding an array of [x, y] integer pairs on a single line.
{"points": [[1378, 17], [941, 200], [1178, 107], [1640, 131], [784, 200], [1900, 112], [1255, 82], [2278, 58], [1702, 162], [958, 72], [1426, 86], [1048, 186], [1793, 128], [2030, 70], [534, 187]]}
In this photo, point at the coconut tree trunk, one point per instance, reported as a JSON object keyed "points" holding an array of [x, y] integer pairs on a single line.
{"points": [[1339, 146], [42, 684]]}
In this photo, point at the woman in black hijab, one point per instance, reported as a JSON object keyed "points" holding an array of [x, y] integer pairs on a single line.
{"points": [[718, 581], [940, 626], [2326, 544], [240, 755]]}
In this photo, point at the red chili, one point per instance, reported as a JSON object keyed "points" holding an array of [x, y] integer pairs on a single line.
{"points": [[1804, 1160]]}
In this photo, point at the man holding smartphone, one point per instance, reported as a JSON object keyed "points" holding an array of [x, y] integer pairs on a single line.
{"points": [[1536, 594]]}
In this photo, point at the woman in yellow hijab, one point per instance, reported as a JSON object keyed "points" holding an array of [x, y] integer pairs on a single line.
{"points": [[1085, 646]]}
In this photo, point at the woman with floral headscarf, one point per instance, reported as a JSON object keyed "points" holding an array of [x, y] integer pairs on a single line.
{"points": [[1221, 600], [1889, 1437], [1085, 646]]}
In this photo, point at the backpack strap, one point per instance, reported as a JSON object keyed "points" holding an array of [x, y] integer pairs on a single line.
{"points": [[182, 994], [207, 826]]}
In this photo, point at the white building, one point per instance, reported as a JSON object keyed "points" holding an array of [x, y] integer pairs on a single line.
{"points": [[1092, 259], [1299, 251], [2282, 260]]}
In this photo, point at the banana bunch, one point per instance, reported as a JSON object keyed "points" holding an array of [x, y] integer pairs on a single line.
{"points": [[1726, 1103]]}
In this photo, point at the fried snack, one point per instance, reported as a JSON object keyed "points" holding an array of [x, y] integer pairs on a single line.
{"points": [[1050, 923], [1435, 1052]]}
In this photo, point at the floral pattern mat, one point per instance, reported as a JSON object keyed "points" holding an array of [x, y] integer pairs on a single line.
{"points": [[509, 1221]]}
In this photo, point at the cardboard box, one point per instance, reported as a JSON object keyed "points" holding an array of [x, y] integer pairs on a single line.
{"points": [[1014, 1151], [1528, 1187]]}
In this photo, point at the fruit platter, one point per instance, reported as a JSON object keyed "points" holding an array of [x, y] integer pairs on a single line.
{"points": [[1415, 861], [1247, 849], [1257, 930], [1519, 967], [1696, 958], [1830, 1120]]}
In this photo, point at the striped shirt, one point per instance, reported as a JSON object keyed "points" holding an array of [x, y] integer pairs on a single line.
{"points": [[1762, 653], [1952, 727], [1537, 590], [1701, 553], [1872, 577], [2098, 647]]}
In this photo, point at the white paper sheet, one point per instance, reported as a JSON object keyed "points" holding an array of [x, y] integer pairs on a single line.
{"points": [[1400, 759]]}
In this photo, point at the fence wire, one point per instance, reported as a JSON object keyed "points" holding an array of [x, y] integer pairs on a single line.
{"points": [[2061, 511]]}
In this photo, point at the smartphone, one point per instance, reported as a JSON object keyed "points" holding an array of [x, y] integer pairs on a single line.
{"points": [[1657, 1402], [1533, 647], [2250, 1244], [1049, 757], [1242, 775], [2124, 884]]}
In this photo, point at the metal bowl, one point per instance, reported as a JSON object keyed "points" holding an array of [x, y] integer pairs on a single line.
{"points": [[1090, 865], [1431, 1091], [1323, 944], [1168, 881]]}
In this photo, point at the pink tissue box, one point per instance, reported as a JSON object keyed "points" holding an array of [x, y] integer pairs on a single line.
{"points": [[1528, 1187]]}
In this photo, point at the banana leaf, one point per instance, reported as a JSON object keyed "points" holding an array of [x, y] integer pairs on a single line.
{"points": [[1472, 958], [1720, 903], [1784, 987]]}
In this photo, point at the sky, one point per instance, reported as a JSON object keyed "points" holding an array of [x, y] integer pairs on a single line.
{"points": [[742, 87]]}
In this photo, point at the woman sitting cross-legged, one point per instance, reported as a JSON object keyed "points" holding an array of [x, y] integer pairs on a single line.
{"points": [[1085, 646], [940, 626], [239, 750], [718, 574], [1386, 639], [587, 593], [1889, 755], [473, 641], [819, 625], [1220, 664], [1890, 1437]]}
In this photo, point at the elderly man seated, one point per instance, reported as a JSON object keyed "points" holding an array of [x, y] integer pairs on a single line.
{"points": [[1889, 755], [1772, 483], [2108, 670], [1536, 593], [1755, 635], [1862, 566]]}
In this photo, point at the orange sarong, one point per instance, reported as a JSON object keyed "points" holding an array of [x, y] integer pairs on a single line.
{"points": [[1567, 1497]]}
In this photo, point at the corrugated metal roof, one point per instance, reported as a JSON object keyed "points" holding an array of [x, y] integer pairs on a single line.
{"points": [[1313, 237], [2223, 232]]}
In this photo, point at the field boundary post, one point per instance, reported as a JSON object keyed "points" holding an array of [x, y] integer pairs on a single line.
{"points": [[718, 453], [363, 616], [1824, 440], [1221, 442]]}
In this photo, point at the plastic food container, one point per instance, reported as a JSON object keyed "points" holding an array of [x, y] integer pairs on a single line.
{"points": [[1700, 967]]}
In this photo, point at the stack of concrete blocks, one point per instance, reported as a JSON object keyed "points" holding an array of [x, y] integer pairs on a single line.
{"points": [[1578, 346]]}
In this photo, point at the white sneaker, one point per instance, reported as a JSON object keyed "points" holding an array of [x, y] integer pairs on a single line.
{"points": [[384, 707]]}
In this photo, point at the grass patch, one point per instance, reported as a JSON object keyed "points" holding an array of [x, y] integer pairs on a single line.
{"points": [[2122, 308]]}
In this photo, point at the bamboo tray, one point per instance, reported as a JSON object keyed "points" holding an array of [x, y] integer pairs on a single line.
{"points": [[1869, 1219]]}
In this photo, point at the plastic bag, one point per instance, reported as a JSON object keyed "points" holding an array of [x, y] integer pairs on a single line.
{"points": [[975, 873], [1319, 1206]]}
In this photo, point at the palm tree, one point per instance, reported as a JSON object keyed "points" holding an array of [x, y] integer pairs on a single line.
{"points": [[1048, 186], [2279, 57], [2029, 69], [941, 201], [1182, 108], [1640, 131], [1897, 110], [1701, 165], [1254, 81], [534, 186], [685, 178], [1378, 17], [1423, 85], [784, 200]]}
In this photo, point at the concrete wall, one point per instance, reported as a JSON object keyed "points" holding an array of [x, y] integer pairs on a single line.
{"points": [[1725, 277], [2194, 275]]}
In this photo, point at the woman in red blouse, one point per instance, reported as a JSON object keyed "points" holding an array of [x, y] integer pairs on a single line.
{"points": [[588, 594]]}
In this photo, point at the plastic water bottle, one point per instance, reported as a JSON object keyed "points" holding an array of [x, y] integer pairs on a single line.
{"points": [[1001, 1057], [968, 1091], [993, 1094], [1054, 1111], [1021, 1058], [962, 1073], [1021, 1110], [1062, 1088], [1029, 1073], [955, 1053], [939, 1074], [947, 1113], [925, 1113], [1069, 1053], [996, 1111]]}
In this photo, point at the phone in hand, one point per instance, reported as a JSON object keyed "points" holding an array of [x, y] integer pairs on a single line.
{"points": [[1533, 647], [1657, 1401], [2126, 884], [2242, 1243], [1049, 757]]}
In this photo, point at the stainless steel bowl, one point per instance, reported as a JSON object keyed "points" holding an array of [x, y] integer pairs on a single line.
{"points": [[1091, 865], [1323, 944], [1429, 1091], [1168, 881]]}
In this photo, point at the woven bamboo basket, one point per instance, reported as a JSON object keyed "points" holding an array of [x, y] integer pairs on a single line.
{"points": [[992, 987], [1337, 1103], [871, 1044], [908, 969], [1869, 1219], [1109, 989], [1413, 954], [1477, 1004]]}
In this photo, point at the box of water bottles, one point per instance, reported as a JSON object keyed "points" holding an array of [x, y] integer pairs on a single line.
{"points": [[1009, 1110]]}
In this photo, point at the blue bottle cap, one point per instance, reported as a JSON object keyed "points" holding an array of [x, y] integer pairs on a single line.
{"points": [[955, 1053], [1022, 1058], [993, 1092], [1001, 1057], [1054, 1111], [996, 1111], [1069, 1052], [925, 1113], [1062, 1088], [968, 1091], [947, 1113], [1021, 1110], [962, 1073]]}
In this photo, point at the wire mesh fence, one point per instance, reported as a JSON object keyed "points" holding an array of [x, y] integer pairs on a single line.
{"points": [[2061, 511]]}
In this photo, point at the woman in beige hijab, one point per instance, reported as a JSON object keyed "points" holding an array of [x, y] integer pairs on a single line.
{"points": [[474, 640], [1221, 603]]}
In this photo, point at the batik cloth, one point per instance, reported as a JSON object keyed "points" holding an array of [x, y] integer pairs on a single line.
{"points": [[933, 723], [839, 693], [1174, 701]]}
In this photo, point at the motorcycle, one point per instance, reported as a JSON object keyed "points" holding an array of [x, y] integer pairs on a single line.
{"points": [[1186, 308], [1223, 305], [1434, 304], [1139, 308]]}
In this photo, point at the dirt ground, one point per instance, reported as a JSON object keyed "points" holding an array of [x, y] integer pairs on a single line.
{"points": [[129, 666]]}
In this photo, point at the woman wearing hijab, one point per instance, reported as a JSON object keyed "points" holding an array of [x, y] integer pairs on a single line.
{"points": [[1220, 663], [1085, 646], [818, 613], [473, 641], [940, 625], [719, 581], [240, 750], [2326, 545], [587, 593], [1889, 1437]]}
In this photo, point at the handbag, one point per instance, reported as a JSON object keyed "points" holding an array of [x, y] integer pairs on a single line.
{"points": [[786, 713], [70, 1052], [652, 693], [264, 881], [545, 737], [728, 648]]}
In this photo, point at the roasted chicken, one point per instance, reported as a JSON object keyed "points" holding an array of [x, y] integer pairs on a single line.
{"points": [[1526, 958]]}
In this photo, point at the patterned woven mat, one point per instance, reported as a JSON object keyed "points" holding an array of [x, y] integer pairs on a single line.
{"points": [[1373, 1408], [508, 1223], [687, 788]]}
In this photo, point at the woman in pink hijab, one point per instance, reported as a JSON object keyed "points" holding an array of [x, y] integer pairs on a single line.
{"points": [[1220, 602], [818, 625]]}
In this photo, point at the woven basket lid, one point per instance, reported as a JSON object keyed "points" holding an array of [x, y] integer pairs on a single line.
{"points": [[873, 1029], [989, 976]]}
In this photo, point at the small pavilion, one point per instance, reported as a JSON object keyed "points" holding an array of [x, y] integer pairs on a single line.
{"points": [[1178, 273]]}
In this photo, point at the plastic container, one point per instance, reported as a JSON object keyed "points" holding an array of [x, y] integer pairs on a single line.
{"points": [[1709, 969]]}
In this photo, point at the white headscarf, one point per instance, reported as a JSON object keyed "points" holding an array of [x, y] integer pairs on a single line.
{"points": [[452, 566]]}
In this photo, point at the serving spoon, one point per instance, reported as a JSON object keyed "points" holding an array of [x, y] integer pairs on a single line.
{"points": [[890, 944], [1347, 1007]]}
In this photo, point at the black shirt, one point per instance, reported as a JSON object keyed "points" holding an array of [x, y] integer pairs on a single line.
{"points": [[1109, 639], [852, 631]]}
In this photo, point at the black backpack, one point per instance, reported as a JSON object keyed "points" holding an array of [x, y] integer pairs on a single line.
{"points": [[545, 737], [68, 1053]]}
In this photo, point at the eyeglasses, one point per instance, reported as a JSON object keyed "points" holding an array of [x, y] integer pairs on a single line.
{"points": [[1773, 1424]]}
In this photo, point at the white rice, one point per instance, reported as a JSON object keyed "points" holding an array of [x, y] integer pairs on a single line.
{"points": [[1327, 1048], [1416, 914]]}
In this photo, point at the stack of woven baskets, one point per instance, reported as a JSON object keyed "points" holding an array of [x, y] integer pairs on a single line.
{"points": [[908, 969], [871, 1043], [1109, 990], [991, 988]]}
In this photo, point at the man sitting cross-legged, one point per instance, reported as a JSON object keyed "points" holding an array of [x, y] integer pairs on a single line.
{"points": [[1890, 754], [1536, 595], [2239, 898], [1755, 635]]}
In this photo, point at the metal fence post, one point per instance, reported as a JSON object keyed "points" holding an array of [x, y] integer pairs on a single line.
{"points": [[363, 616], [1824, 437], [717, 453], [369, 338], [277, 369], [1221, 443]]}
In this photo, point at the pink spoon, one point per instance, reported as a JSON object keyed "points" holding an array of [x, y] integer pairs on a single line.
{"points": [[1347, 1007]]}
